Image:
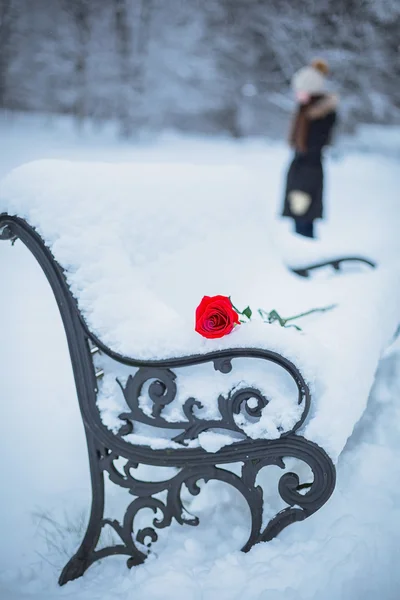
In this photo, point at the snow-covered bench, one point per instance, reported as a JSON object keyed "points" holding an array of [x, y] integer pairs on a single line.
{"points": [[129, 251]]}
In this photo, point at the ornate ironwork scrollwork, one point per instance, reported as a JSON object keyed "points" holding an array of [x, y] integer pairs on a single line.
{"points": [[300, 505], [162, 390]]}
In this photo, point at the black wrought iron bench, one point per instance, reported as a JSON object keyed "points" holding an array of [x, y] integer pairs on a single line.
{"points": [[150, 389], [192, 464]]}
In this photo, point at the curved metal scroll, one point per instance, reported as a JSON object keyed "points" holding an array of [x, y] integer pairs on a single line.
{"points": [[334, 263], [194, 463], [162, 391]]}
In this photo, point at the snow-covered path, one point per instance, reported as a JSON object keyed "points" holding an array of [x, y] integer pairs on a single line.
{"points": [[348, 550]]}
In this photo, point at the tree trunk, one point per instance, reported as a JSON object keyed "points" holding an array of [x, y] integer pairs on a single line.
{"points": [[124, 41], [7, 15], [79, 11]]}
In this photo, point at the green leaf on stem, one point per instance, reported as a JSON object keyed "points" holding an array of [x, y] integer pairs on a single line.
{"points": [[247, 312], [263, 314], [275, 316]]}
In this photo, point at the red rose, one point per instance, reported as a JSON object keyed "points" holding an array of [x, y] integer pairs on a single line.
{"points": [[215, 317]]}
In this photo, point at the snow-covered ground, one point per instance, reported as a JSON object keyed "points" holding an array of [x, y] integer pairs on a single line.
{"points": [[347, 550]]}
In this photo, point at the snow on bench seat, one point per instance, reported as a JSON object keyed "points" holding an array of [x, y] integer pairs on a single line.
{"points": [[142, 243]]}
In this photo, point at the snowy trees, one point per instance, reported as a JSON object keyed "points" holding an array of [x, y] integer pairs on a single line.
{"points": [[209, 65], [7, 20]]}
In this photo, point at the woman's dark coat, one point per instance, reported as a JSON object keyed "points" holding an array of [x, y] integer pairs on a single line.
{"points": [[305, 172]]}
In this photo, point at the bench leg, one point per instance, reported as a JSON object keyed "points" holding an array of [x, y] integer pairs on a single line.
{"points": [[84, 556]]}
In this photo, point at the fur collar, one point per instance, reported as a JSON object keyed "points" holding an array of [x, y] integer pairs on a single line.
{"points": [[323, 107]]}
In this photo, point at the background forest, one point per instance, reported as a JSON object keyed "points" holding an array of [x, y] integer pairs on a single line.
{"points": [[212, 66]]}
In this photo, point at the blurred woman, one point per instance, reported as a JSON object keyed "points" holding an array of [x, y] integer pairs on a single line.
{"points": [[311, 130]]}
